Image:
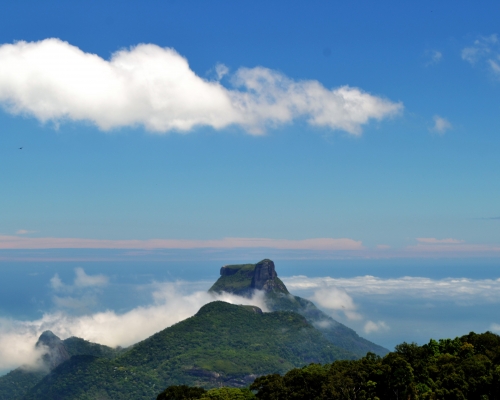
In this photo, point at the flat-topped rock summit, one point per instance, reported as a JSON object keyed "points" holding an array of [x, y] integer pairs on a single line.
{"points": [[243, 279]]}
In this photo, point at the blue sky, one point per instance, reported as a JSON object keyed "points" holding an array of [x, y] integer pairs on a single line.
{"points": [[233, 131], [396, 179]]}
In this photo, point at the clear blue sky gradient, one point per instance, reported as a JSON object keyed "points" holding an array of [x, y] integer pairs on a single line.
{"points": [[396, 182]]}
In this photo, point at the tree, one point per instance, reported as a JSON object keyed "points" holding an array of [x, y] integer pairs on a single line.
{"points": [[181, 392], [398, 377], [226, 393]]}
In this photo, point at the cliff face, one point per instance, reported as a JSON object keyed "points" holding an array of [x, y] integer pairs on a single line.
{"points": [[243, 279], [56, 351]]}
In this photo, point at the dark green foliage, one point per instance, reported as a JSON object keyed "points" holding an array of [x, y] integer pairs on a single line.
{"points": [[226, 393], [89, 378], [181, 392], [463, 368], [184, 392], [237, 282], [16, 383], [76, 346]]}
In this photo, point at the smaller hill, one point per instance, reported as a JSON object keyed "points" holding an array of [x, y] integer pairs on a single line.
{"points": [[18, 382]]}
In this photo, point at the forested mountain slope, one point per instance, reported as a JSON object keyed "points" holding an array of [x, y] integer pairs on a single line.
{"points": [[244, 279], [223, 344], [16, 383]]}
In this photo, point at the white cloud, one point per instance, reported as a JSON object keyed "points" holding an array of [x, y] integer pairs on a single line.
{"points": [[371, 327], [221, 70], [434, 57], [56, 283], [24, 232], [485, 49], [17, 344], [495, 66], [82, 295], [170, 305], [82, 279], [481, 47], [495, 328], [79, 304], [449, 289], [441, 125], [334, 298], [154, 87]]}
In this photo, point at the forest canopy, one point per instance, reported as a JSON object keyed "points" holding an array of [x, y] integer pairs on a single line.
{"points": [[465, 368]]}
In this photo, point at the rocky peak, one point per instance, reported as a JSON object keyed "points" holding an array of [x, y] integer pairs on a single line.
{"points": [[243, 279], [264, 274], [56, 352]]}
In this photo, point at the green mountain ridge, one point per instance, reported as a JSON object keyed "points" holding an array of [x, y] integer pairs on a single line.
{"points": [[222, 345]]}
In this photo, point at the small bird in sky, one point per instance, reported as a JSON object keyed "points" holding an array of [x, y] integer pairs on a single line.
{"points": [[20, 148]]}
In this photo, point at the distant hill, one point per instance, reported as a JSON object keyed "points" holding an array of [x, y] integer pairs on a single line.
{"points": [[222, 345], [244, 279], [16, 383]]}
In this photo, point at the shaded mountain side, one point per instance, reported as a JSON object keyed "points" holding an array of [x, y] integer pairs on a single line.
{"points": [[77, 346], [223, 344], [244, 279], [16, 383], [90, 378]]}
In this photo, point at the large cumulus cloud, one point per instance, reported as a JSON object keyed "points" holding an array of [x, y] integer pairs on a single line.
{"points": [[154, 87]]}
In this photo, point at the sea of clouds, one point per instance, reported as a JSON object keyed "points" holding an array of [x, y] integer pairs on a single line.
{"points": [[367, 303]]}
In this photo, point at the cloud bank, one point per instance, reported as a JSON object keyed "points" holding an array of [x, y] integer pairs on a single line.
{"points": [[450, 246], [17, 242], [371, 326], [336, 299], [170, 305], [154, 87], [452, 289]]}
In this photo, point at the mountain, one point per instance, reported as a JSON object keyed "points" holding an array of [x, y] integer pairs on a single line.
{"points": [[244, 279], [16, 383], [222, 345]]}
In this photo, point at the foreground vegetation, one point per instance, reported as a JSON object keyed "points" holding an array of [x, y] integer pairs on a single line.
{"points": [[465, 368]]}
